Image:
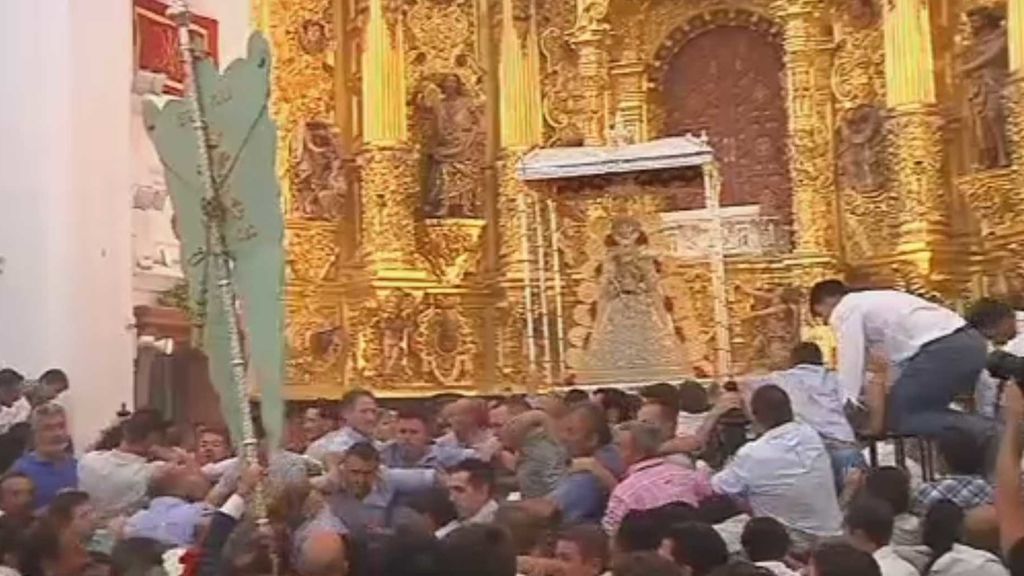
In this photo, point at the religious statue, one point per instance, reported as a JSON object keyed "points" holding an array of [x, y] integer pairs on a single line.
{"points": [[633, 329], [312, 37], [986, 66], [318, 181], [776, 327], [396, 323], [860, 153], [861, 14], [453, 140]]}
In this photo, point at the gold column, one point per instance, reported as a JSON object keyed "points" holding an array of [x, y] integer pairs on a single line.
{"points": [[808, 45], [389, 192], [590, 38], [914, 129], [1015, 88], [630, 80]]}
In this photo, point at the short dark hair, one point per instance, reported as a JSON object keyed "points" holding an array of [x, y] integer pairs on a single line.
{"points": [[10, 377], [136, 556], [873, 517], [14, 475], [962, 451], [591, 540], [698, 546], [529, 531], [663, 394], [988, 312], [414, 413], [596, 421], [62, 509], [479, 550], [55, 376], [480, 473], [434, 504], [827, 289], [771, 407], [765, 539], [575, 396], [741, 568], [806, 353], [891, 485], [363, 451], [645, 564], [140, 426], [412, 553], [348, 401], [842, 559], [219, 431], [693, 397], [639, 531], [942, 528]]}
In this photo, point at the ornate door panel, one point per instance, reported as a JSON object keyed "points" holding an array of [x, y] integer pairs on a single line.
{"points": [[727, 81]]}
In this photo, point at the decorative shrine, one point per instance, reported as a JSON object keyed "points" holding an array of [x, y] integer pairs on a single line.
{"points": [[493, 195]]}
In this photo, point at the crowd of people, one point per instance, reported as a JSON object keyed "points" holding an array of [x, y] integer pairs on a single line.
{"points": [[764, 476]]}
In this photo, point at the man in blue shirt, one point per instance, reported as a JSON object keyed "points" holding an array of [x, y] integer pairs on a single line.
{"points": [[50, 467], [582, 495], [414, 448]]}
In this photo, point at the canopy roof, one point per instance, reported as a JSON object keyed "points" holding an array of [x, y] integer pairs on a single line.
{"points": [[583, 161]]}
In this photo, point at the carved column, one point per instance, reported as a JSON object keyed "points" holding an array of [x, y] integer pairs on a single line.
{"points": [[389, 191], [808, 45], [590, 38], [630, 82], [1015, 88], [914, 128]]}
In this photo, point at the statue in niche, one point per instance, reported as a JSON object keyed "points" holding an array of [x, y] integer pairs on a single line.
{"points": [[396, 324], [633, 329], [860, 153], [318, 184], [775, 326], [986, 66], [312, 37], [861, 14], [453, 140]]}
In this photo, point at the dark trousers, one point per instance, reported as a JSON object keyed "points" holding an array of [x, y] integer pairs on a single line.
{"points": [[930, 380]]}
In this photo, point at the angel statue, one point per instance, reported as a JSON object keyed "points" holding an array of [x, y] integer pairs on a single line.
{"points": [[633, 331], [452, 143]]}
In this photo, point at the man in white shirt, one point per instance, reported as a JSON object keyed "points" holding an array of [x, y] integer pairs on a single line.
{"points": [[935, 352], [360, 412], [471, 489], [785, 474], [817, 401], [869, 524], [1000, 325], [14, 407]]}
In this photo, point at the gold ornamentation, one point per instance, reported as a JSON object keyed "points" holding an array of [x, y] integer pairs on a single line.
{"points": [[319, 345], [313, 251], [389, 202], [450, 247], [915, 140], [994, 197], [386, 356], [446, 342], [318, 188]]}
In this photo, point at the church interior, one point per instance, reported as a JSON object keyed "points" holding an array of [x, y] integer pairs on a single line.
{"points": [[486, 196]]}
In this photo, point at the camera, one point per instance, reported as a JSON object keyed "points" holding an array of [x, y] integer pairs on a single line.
{"points": [[1005, 366]]}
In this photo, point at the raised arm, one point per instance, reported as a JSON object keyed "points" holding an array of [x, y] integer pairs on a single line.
{"points": [[849, 330], [1009, 507]]}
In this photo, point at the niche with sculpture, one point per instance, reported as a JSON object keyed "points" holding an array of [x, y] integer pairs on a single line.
{"points": [[984, 65]]}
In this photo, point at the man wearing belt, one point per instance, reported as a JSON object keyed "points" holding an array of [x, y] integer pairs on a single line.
{"points": [[936, 354]]}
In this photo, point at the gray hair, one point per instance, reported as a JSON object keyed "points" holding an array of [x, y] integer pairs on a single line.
{"points": [[43, 411], [647, 437]]}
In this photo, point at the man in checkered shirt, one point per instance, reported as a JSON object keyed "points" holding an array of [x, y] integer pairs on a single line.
{"points": [[965, 485]]}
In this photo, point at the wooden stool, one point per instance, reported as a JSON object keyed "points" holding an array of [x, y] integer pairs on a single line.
{"points": [[900, 443]]}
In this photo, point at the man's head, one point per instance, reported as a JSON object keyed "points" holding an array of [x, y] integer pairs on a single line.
{"points": [[825, 295], [770, 407], [765, 539], [178, 481], [359, 469], [323, 553], [995, 319], [806, 353], [212, 444], [584, 429], [479, 550], [318, 420], [869, 523], [582, 550], [891, 485], [661, 406], [16, 495], [11, 386], [73, 512], [842, 559], [50, 431], [54, 382], [640, 531], [470, 486], [141, 432], [505, 411], [412, 553], [962, 452], [645, 564], [693, 397], [530, 532], [412, 431], [359, 409], [467, 417], [697, 546], [638, 441]]}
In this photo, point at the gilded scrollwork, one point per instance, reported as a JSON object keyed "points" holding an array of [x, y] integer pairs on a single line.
{"points": [[388, 237], [313, 252], [386, 353], [320, 348], [450, 247], [446, 342]]}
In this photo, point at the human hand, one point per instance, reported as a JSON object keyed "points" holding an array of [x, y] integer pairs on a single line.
{"points": [[726, 402], [249, 480], [854, 480], [1013, 403]]}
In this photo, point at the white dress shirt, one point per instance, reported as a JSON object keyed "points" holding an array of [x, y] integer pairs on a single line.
{"points": [[116, 481], [778, 568], [816, 398], [896, 323], [986, 393], [964, 560], [14, 414], [892, 565], [786, 474], [484, 515]]}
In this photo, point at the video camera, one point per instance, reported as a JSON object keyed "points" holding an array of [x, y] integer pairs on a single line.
{"points": [[1005, 366]]}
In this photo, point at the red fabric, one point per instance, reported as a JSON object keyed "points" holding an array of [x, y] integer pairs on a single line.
{"points": [[156, 42], [190, 560]]}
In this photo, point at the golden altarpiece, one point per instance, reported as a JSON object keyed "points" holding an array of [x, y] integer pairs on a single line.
{"points": [[882, 140]]}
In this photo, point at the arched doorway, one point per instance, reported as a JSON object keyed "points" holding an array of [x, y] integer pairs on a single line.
{"points": [[727, 81]]}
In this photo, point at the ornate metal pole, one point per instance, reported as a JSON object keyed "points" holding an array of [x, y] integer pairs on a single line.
{"points": [[556, 268], [712, 199], [542, 282], [524, 229]]}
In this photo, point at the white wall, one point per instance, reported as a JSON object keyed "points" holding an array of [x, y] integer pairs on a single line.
{"points": [[65, 293]]}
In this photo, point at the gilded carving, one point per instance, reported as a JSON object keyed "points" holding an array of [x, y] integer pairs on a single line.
{"points": [[862, 137], [313, 251], [985, 65], [388, 206], [319, 345], [386, 353], [994, 197], [773, 324], [915, 138], [450, 247], [318, 187], [447, 343]]}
